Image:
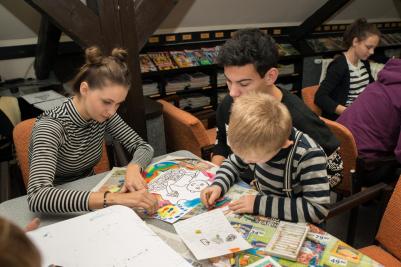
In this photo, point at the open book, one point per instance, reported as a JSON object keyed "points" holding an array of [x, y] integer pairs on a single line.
{"points": [[114, 236]]}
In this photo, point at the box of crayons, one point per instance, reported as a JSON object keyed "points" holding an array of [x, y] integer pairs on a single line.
{"points": [[287, 240]]}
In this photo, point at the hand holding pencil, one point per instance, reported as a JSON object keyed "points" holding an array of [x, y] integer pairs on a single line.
{"points": [[209, 195]]}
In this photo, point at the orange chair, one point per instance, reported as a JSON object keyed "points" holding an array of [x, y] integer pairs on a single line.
{"points": [[389, 234], [186, 132], [348, 152], [22, 136], [308, 95]]}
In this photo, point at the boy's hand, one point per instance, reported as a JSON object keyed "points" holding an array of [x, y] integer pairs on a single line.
{"points": [[209, 195], [133, 179], [243, 205]]}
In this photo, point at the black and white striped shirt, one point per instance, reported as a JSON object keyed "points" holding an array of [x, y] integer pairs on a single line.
{"points": [[65, 147], [359, 79], [309, 183]]}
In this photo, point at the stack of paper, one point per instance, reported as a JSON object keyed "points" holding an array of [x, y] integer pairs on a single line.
{"points": [[113, 236]]}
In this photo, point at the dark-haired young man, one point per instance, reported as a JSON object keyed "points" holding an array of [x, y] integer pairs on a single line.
{"points": [[250, 60]]}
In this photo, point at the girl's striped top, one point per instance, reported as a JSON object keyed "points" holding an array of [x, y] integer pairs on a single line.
{"points": [[64, 147]]}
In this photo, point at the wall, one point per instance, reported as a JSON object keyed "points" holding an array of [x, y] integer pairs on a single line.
{"points": [[20, 22]]}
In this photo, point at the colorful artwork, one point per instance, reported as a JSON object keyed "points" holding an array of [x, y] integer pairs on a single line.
{"points": [[177, 183]]}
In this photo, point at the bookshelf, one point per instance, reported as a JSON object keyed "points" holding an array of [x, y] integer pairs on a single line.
{"points": [[324, 42], [173, 66]]}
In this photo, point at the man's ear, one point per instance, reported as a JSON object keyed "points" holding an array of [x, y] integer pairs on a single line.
{"points": [[84, 88], [271, 76], [287, 143]]}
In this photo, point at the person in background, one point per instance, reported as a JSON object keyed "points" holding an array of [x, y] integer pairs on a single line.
{"points": [[349, 73], [66, 142], [289, 166], [250, 60], [16, 249], [375, 120]]}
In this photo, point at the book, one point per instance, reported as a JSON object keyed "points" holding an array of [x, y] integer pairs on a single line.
{"points": [[210, 53], [146, 63], [197, 54], [114, 236], [182, 60], [286, 49], [162, 60]]}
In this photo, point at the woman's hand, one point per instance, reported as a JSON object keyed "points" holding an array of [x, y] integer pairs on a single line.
{"points": [[133, 179], [137, 199]]}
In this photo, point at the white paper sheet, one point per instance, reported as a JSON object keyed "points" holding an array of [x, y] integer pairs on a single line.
{"points": [[114, 236], [42, 96], [210, 235], [48, 105]]}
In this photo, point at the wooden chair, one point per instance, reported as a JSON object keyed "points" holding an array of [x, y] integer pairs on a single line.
{"points": [[22, 136], [186, 132], [349, 154], [388, 237], [308, 95]]}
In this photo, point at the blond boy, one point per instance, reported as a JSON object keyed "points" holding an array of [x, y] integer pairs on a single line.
{"points": [[261, 136]]}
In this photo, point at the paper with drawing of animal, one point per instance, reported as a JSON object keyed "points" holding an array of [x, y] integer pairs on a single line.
{"points": [[180, 187]]}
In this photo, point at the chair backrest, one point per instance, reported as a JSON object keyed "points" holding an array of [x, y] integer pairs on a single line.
{"points": [[22, 137], [389, 234], [348, 152], [308, 95], [183, 130]]}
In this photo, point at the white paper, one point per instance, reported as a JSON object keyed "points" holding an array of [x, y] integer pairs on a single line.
{"points": [[48, 105], [42, 96], [114, 236], [210, 235]]}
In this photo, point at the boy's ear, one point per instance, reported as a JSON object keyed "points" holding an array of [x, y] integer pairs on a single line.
{"points": [[271, 76], [287, 143]]}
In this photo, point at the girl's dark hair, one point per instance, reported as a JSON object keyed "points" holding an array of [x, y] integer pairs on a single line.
{"points": [[100, 70], [360, 29]]}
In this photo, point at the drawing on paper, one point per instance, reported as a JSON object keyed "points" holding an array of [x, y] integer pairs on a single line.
{"points": [[177, 184]]}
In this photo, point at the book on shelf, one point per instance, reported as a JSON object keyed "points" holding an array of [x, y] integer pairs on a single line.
{"points": [[210, 53], [286, 69], [286, 49], [178, 83], [194, 101], [326, 44], [146, 63], [199, 79], [162, 60], [182, 60], [150, 87], [197, 54]]}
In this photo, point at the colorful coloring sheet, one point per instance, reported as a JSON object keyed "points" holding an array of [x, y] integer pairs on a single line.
{"points": [[210, 235], [112, 182], [177, 182]]}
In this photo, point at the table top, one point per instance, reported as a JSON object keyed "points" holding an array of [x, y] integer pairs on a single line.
{"points": [[17, 211], [319, 249]]}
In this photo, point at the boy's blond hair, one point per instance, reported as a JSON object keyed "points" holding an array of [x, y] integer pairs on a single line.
{"points": [[258, 124]]}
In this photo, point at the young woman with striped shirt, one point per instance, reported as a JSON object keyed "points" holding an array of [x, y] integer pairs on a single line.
{"points": [[66, 142]]}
